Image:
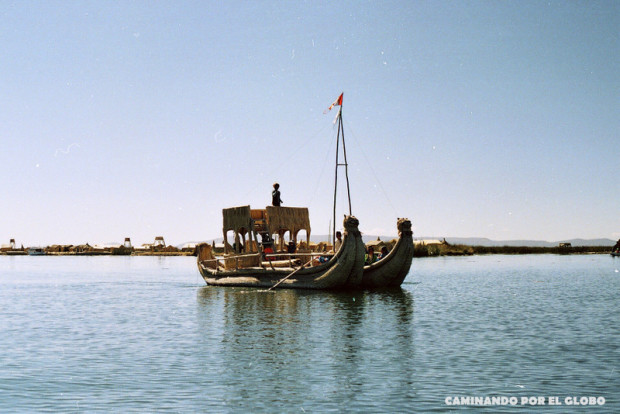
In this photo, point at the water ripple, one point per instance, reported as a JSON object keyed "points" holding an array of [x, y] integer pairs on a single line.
{"points": [[146, 335]]}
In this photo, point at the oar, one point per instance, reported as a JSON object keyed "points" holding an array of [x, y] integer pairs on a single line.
{"points": [[289, 275]]}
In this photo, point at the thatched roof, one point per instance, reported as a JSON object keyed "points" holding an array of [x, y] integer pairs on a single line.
{"points": [[292, 219], [376, 243], [236, 218]]}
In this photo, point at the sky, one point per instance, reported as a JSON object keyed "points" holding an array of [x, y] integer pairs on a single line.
{"points": [[147, 118]]}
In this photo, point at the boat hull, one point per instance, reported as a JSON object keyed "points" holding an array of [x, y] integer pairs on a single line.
{"points": [[391, 271]]}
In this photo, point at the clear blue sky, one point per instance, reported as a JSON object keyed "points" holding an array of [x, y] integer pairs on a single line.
{"points": [[146, 118]]}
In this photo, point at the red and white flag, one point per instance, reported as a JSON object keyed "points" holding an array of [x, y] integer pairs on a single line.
{"points": [[337, 102]]}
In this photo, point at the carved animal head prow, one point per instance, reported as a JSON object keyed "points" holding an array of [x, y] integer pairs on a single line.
{"points": [[404, 226], [350, 223]]}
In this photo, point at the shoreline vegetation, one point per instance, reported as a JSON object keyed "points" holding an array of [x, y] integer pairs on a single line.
{"points": [[97, 253], [446, 249]]}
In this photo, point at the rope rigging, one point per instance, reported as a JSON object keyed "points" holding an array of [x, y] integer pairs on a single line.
{"points": [[356, 141]]}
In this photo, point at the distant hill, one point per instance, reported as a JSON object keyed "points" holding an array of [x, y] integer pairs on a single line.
{"points": [[475, 241]]}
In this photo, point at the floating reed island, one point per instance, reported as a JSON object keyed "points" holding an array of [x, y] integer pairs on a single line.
{"points": [[432, 248], [157, 248]]}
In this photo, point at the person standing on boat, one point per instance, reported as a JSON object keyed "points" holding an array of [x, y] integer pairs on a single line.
{"points": [[275, 196]]}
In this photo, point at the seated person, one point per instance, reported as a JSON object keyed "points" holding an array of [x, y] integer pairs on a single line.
{"points": [[370, 256], [291, 248], [384, 252], [267, 250], [265, 237], [320, 260]]}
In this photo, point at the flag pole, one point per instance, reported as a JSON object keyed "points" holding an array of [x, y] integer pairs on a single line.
{"points": [[345, 164], [336, 184]]}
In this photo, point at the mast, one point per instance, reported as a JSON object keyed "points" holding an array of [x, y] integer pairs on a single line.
{"points": [[338, 164], [329, 231]]}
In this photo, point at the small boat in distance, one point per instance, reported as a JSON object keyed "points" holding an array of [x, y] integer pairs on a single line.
{"points": [[615, 251], [36, 251]]}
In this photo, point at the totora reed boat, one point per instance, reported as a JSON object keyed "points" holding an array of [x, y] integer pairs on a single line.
{"points": [[254, 263]]}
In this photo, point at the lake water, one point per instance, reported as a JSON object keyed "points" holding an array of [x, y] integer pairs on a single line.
{"points": [[144, 334]]}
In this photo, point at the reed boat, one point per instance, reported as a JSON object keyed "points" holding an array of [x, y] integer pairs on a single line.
{"points": [[36, 251], [391, 271], [343, 270], [254, 263]]}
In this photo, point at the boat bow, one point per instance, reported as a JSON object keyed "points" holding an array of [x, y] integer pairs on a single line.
{"points": [[391, 270]]}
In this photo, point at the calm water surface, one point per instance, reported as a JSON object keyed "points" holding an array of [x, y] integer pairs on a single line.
{"points": [[144, 334]]}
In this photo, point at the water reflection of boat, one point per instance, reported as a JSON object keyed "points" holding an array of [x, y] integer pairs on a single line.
{"points": [[327, 335], [312, 304], [392, 270]]}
